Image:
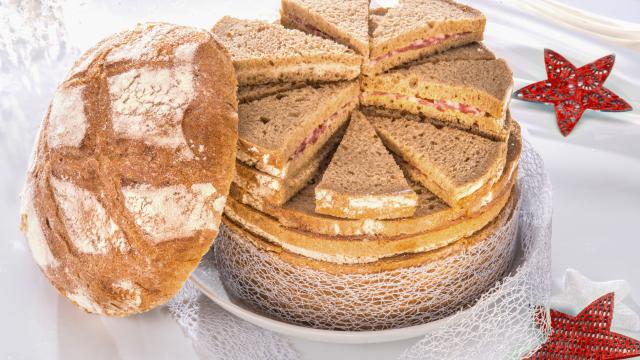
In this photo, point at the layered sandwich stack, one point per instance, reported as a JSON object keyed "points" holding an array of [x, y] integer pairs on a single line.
{"points": [[370, 140]]}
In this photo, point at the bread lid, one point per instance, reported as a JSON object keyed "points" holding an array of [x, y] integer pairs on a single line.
{"points": [[132, 167]]}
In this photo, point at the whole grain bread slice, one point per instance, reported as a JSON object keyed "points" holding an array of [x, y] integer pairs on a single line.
{"points": [[265, 53], [472, 94], [359, 249], [473, 51], [362, 179], [454, 163], [346, 21], [431, 212], [274, 190], [280, 133], [418, 28]]}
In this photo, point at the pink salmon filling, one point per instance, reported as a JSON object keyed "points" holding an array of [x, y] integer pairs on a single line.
{"points": [[313, 137], [418, 44], [440, 105]]}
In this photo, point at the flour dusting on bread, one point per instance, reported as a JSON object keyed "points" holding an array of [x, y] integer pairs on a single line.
{"points": [[149, 105], [90, 228], [172, 212], [67, 120]]}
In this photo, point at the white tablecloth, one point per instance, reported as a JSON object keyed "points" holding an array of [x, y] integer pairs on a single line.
{"points": [[595, 174]]}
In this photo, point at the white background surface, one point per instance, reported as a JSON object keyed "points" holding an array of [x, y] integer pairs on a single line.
{"points": [[595, 174]]}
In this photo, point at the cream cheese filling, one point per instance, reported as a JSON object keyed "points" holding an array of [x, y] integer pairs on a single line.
{"points": [[417, 45]]}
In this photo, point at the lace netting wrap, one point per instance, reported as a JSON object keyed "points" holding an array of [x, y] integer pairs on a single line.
{"points": [[500, 324]]}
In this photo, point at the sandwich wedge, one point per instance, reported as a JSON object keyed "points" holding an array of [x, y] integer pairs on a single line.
{"points": [[469, 94], [346, 21], [264, 53], [431, 213], [418, 28], [363, 180], [279, 134], [453, 163], [275, 190]]}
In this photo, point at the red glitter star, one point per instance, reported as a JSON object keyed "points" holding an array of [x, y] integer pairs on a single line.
{"points": [[587, 335], [573, 90]]}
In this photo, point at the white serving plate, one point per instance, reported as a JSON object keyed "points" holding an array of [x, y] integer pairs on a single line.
{"points": [[207, 279]]}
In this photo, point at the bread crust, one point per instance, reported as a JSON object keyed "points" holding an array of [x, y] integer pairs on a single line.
{"points": [[360, 249], [96, 195], [386, 264]]}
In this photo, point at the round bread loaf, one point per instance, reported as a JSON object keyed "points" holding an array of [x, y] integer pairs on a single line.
{"points": [[131, 168]]}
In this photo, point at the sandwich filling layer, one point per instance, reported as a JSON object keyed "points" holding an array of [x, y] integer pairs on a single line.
{"points": [[440, 105], [310, 71], [417, 45], [316, 133], [303, 25]]}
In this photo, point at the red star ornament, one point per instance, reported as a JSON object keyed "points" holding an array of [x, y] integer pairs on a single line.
{"points": [[573, 90], [587, 335]]}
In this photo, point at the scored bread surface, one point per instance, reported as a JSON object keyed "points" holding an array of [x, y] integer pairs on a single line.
{"points": [[363, 180], [266, 52], [346, 21], [131, 168], [455, 162]]}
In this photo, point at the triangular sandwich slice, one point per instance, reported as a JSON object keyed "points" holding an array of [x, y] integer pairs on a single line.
{"points": [[264, 53], [346, 21], [279, 134], [469, 94], [362, 180], [418, 28], [453, 163], [277, 191]]}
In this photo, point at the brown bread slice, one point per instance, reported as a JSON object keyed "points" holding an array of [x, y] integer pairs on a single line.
{"points": [[418, 28], [471, 94], [359, 249], [431, 213], [454, 163], [277, 191], [345, 21], [473, 51], [265, 53], [255, 92], [280, 133], [363, 181]]}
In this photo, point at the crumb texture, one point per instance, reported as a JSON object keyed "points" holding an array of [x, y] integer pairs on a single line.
{"points": [[390, 22], [362, 165], [254, 39], [459, 156]]}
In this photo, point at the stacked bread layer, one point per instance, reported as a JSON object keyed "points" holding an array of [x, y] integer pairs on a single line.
{"points": [[438, 123]]}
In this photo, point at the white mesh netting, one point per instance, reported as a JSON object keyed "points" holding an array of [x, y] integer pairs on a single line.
{"points": [[499, 325]]}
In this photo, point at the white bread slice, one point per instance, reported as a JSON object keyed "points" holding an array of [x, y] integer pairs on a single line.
{"points": [[280, 133], [454, 163], [362, 180], [345, 21], [265, 53], [470, 94], [418, 28]]}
